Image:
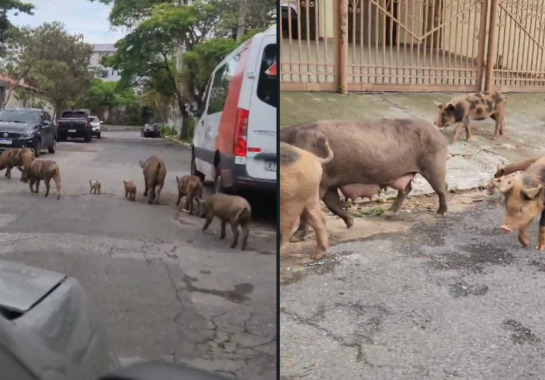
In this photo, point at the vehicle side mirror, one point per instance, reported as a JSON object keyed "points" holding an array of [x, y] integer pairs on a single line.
{"points": [[46, 123], [161, 371], [101, 121]]}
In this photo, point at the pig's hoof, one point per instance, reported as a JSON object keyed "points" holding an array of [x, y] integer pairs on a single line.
{"points": [[349, 223], [389, 213], [443, 215], [541, 247]]}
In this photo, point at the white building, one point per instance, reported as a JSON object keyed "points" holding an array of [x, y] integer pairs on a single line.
{"points": [[107, 74]]}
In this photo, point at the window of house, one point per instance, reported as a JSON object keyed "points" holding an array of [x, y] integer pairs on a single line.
{"points": [[104, 74], [267, 86], [220, 85]]}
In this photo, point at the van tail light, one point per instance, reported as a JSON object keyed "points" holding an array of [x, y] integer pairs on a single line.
{"points": [[241, 132]]}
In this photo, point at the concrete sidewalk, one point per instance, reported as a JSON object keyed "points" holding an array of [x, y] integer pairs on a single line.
{"points": [[470, 165]]}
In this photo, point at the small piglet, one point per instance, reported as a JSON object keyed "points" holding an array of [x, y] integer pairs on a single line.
{"points": [[230, 209], [130, 190], [191, 186], [42, 170]]}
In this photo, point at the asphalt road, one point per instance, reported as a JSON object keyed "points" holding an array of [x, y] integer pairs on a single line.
{"points": [[451, 299], [166, 290]]}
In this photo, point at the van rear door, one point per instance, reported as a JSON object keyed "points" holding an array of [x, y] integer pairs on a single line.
{"points": [[261, 137]]}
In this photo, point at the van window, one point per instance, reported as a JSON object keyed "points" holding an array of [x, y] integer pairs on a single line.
{"points": [[220, 85], [267, 87]]}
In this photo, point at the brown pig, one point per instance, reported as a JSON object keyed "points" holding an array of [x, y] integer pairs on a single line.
{"points": [[300, 177], [11, 158], [191, 186], [383, 152], [476, 106], [512, 168], [524, 199], [230, 209], [42, 170], [155, 172], [130, 190]]}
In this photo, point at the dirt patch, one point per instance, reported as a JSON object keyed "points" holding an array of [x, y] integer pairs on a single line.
{"points": [[370, 220], [521, 334]]}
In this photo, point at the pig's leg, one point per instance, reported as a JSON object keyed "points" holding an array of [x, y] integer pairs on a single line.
{"points": [[457, 131], [38, 185], [541, 234], [158, 193], [57, 179], [467, 127], [146, 187], [523, 235], [188, 201], [401, 195], [317, 220], [8, 172], [223, 225], [436, 179], [31, 185], [179, 198], [209, 218], [245, 233], [333, 202], [234, 228], [47, 186], [151, 194]]}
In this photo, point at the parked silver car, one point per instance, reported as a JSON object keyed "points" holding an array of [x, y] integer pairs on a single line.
{"points": [[49, 330]]}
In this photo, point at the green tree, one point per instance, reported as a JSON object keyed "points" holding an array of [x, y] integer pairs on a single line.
{"points": [[6, 27], [105, 94], [51, 60]]}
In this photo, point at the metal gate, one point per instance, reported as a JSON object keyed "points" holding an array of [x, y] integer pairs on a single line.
{"points": [[416, 45], [309, 41], [516, 46]]}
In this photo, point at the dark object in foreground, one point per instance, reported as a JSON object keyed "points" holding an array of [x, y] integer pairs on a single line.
{"points": [[161, 371]]}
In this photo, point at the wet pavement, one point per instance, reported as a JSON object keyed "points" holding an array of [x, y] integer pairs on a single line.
{"points": [[449, 298], [165, 289]]}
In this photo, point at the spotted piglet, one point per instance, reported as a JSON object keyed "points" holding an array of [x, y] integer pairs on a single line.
{"points": [[476, 106]]}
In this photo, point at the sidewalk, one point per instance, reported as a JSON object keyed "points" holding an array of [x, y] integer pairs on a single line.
{"points": [[470, 165]]}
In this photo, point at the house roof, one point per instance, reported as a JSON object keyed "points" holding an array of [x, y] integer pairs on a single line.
{"points": [[10, 82]]}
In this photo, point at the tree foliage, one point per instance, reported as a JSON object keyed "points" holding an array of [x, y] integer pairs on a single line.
{"points": [[102, 94], [6, 27], [52, 61], [159, 31]]}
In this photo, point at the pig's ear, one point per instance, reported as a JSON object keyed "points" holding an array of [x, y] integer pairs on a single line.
{"points": [[532, 193], [439, 105], [500, 172], [177, 180]]}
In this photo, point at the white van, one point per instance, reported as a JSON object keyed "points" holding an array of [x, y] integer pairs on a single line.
{"points": [[234, 145]]}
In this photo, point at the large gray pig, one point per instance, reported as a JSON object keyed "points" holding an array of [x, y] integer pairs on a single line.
{"points": [[383, 152]]}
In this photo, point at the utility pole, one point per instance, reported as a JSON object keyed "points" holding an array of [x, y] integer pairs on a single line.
{"points": [[241, 19]]}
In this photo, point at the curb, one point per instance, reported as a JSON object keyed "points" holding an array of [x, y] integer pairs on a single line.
{"points": [[174, 139]]}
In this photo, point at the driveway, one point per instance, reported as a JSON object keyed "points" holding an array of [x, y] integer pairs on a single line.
{"points": [[166, 289], [445, 299]]}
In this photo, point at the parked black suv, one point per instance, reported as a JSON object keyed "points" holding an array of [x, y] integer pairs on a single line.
{"points": [[27, 128]]}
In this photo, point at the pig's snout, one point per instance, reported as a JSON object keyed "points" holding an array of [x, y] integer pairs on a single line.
{"points": [[506, 230]]}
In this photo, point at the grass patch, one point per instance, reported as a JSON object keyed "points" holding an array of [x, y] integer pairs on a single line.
{"points": [[377, 211]]}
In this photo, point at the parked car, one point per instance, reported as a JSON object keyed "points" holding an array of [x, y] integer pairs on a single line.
{"points": [[27, 128], [96, 126], [50, 330], [151, 130], [234, 143], [74, 124]]}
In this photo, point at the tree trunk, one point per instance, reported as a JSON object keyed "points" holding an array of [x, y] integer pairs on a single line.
{"points": [[241, 19], [185, 116]]}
